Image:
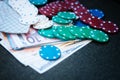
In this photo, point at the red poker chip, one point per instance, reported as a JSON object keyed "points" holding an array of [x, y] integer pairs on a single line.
{"points": [[57, 6], [53, 8], [85, 17], [46, 12], [47, 6], [63, 5], [109, 27], [69, 2], [80, 12], [53, 5], [75, 7], [72, 4], [95, 22]]}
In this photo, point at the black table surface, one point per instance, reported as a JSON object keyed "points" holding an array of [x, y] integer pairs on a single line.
{"points": [[96, 61]]}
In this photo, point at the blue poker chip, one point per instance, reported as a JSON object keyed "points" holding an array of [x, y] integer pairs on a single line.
{"points": [[38, 2], [50, 52], [97, 13], [79, 23]]}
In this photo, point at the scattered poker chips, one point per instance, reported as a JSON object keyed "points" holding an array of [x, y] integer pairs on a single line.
{"points": [[50, 52], [38, 2], [97, 13], [67, 15], [74, 32], [60, 20], [61, 26], [85, 16]]}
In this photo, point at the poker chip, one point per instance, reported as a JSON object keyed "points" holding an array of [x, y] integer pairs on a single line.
{"points": [[85, 17], [79, 23], [95, 22], [50, 52], [43, 18], [86, 32], [76, 32], [53, 8], [70, 2], [38, 2], [46, 33], [60, 20], [75, 6], [99, 36], [55, 5], [44, 11], [109, 27], [67, 15], [43, 25], [97, 13], [63, 6], [79, 11], [57, 35], [64, 31]]}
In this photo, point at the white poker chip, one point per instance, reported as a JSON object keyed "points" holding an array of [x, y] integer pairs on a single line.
{"points": [[43, 25], [50, 52], [42, 19]]}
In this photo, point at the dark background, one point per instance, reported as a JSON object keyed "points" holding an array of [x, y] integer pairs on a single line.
{"points": [[96, 61]]}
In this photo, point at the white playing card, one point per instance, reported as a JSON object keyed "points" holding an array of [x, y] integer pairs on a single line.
{"points": [[10, 20], [27, 11], [29, 20]]}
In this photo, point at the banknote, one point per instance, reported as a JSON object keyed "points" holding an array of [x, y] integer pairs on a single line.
{"points": [[30, 56], [30, 39]]}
